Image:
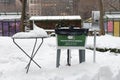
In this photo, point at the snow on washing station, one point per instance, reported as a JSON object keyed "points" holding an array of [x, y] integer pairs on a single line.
{"points": [[36, 32]]}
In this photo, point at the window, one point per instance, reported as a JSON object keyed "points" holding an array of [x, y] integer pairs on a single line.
{"points": [[31, 1], [2, 1], [7, 1], [35, 1]]}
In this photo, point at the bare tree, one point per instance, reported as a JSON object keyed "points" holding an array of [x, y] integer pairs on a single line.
{"points": [[22, 26], [102, 31], [86, 7], [111, 5]]}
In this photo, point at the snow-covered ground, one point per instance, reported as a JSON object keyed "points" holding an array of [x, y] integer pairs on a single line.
{"points": [[13, 61]]}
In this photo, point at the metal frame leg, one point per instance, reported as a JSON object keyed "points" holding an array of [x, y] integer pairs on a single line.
{"points": [[81, 56], [68, 57], [32, 55], [27, 67], [58, 58]]}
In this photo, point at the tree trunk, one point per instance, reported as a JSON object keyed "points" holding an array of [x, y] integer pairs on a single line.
{"points": [[102, 30], [24, 2]]}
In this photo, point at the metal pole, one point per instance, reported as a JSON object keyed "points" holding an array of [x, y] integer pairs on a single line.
{"points": [[94, 54]]}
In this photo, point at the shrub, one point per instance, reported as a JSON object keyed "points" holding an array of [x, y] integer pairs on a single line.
{"points": [[115, 50]]}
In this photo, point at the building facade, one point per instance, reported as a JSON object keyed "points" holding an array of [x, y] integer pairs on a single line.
{"points": [[34, 7], [10, 6], [53, 7]]}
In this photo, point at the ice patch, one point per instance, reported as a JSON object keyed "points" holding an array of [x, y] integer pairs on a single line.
{"points": [[56, 77], [1, 73], [104, 73], [84, 77], [3, 60], [17, 59], [117, 77]]}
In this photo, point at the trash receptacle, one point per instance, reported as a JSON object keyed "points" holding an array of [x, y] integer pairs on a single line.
{"points": [[71, 38]]}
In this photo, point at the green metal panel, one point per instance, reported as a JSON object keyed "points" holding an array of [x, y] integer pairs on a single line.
{"points": [[71, 40]]}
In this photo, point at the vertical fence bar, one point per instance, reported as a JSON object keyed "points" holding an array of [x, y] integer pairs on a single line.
{"points": [[2, 29], [8, 28], [15, 26]]}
